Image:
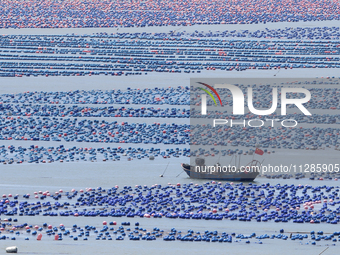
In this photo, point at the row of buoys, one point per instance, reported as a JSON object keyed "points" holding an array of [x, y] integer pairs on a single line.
{"points": [[145, 52], [209, 201], [227, 64], [321, 98], [138, 233], [75, 43], [171, 95], [41, 154], [313, 176], [113, 14], [155, 44], [278, 137], [204, 52], [315, 33], [191, 56], [59, 110], [87, 130], [295, 34]]}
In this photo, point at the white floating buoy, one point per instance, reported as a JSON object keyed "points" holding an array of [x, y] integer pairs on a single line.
{"points": [[12, 249]]}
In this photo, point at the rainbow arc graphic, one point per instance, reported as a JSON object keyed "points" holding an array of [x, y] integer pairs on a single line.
{"points": [[204, 97]]}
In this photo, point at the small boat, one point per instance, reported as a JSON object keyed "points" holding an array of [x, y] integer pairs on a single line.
{"points": [[223, 173]]}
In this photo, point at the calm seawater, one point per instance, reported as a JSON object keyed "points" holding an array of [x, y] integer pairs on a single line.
{"points": [[28, 178]]}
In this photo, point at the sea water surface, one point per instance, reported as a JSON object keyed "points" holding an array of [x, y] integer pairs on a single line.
{"points": [[28, 178]]}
